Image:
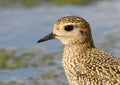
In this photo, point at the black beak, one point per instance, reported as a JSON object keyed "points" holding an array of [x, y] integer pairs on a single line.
{"points": [[48, 37]]}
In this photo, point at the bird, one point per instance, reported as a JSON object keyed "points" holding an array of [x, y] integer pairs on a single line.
{"points": [[83, 63]]}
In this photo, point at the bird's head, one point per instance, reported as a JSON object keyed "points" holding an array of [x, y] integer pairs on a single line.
{"points": [[70, 30]]}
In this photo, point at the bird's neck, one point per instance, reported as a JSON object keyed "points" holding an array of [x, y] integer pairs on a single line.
{"points": [[77, 49], [75, 55], [80, 46]]}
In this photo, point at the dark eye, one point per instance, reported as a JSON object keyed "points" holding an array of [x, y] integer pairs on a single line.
{"points": [[68, 27]]}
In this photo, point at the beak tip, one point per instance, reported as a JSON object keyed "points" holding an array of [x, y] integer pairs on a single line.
{"points": [[39, 41]]}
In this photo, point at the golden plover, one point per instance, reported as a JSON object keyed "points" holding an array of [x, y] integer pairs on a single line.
{"points": [[84, 64]]}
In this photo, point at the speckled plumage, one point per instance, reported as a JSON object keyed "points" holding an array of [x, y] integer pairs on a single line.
{"points": [[90, 66], [84, 64]]}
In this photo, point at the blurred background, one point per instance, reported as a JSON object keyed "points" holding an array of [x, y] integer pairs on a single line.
{"points": [[23, 22]]}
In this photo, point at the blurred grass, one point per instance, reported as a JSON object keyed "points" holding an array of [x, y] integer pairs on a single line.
{"points": [[73, 2], [24, 3], [30, 3], [5, 55], [49, 76], [22, 57], [9, 59], [33, 3], [47, 60]]}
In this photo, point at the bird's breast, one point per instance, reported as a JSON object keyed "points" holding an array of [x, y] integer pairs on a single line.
{"points": [[73, 62]]}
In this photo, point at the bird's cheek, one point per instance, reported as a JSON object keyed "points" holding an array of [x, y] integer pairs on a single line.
{"points": [[59, 37], [64, 42], [62, 39]]}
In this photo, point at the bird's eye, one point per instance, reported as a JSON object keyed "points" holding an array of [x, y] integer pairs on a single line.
{"points": [[68, 27]]}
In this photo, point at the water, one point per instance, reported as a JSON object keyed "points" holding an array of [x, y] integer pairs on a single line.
{"points": [[20, 27], [18, 74]]}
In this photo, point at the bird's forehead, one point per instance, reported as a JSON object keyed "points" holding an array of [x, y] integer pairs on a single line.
{"points": [[70, 19], [73, 20]]}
